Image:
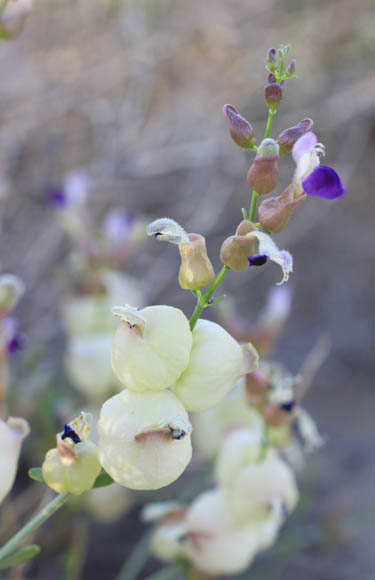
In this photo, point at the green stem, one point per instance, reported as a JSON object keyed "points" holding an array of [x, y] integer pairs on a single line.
{"points": [[202, 303], [267, 132], [253, 205], [34, 524]]}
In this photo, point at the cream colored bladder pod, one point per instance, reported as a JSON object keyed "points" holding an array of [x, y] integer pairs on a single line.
{"points": [[73, 466], [144, 438], [259, 485], [12, 433], [241, 447], [215, 542], [151, 347], [216, 362], [89, 367]]}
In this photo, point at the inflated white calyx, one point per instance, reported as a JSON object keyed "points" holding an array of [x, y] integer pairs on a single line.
{"points": [[151, 347], [88, 364], [215, 542], [73, 465], [12, 433], [241, 447], [144, 439], [259, 485], [216, 362]]}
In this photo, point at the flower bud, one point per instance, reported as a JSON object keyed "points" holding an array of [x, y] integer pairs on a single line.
{"points": [[108, 503], [11, 290], [273, 93], [196, 270], [241, 131], [144, 439], [236, 249], [291, 68], [275, 416], [73, 466], [89, 366], [263, 175], [216, 363], [12, 433], [151, 347], [258, 485], [290, 136], [274, 213], [272, 60]]}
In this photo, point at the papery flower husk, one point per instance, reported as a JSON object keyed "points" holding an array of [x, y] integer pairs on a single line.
{"points": [[256, 387], [290, 136], [273, 94], [236, 249], [274, 213], [275, 416], [263, 175], [196, 270], [12, 433], [240, 129]]}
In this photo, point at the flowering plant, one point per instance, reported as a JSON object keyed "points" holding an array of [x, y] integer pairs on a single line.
{"points": [[169, 367]]}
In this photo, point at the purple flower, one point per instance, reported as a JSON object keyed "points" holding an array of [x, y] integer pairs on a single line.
{"points": [[118, 225], [323, 182], [258, 260], [57, 197], [311, 177]]}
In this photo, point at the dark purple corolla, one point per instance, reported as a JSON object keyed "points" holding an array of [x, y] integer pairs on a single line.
{"points": [[315, 179]]}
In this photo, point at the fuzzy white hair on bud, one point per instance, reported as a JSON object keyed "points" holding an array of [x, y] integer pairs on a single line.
{"points": [[167, 230]]}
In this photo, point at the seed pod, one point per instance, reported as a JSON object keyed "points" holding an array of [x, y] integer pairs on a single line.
{"points": [[151, 347], [196, 270], [290, 136], [274, 213], [12, 433], [263, 175], [144, 439], [216, 362]]}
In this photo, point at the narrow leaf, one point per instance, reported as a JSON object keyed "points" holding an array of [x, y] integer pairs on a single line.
{"points": [[35, 473], [20, 557]]}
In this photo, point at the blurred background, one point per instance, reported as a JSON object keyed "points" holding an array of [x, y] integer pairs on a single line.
{"points": [[130, 92]]}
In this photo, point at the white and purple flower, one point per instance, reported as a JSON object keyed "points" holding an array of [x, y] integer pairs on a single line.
{"points": [[311, 177]]}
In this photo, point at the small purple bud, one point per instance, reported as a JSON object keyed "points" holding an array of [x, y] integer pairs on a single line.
{"points": [[258, 260], [290, 71], [118, 225], [290, 136], [273, 93], [323, 182], [241, 131], [272, 59], [15, 344]]}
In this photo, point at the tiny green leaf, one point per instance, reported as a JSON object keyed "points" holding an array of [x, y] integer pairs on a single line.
{"points": [[35, 473], [20, 557], [103, 479], [244, 213]]}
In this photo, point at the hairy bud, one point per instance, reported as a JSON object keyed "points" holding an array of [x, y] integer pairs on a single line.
{"points": [[290, 136], [196, 270], [272, 59], [263, 175], [241, 131]]}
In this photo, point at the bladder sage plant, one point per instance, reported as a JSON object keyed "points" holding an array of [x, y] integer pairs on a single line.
{"points": [[176, 373]]}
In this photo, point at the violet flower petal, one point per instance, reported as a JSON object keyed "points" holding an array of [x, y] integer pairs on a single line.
{"points": [[305, 144], [323, 182]]}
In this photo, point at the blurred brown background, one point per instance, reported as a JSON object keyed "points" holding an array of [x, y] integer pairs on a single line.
{"points": [[131, 91]]}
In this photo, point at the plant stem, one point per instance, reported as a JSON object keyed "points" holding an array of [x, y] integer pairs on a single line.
{"points": [[202, 303], [34, 524], [253, 205], [267, 132]]}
